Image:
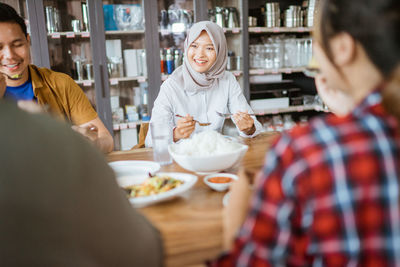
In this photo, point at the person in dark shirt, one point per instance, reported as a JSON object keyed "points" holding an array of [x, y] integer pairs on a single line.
{"points": [[60, 204]]}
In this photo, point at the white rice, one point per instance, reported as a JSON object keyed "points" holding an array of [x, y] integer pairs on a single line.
{"points": [[206, 143]]}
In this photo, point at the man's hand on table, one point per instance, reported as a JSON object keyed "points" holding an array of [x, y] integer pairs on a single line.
{"points": [[97, 133]]}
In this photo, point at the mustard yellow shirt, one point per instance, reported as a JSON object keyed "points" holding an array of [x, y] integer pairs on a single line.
{"points": [[62, 95]]}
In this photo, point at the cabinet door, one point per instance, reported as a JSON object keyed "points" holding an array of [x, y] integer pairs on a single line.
{"points": [[68, 41], [175, 18], [126, 56], [63, 38]]}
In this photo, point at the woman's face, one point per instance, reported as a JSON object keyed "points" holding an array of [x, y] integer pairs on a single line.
{"points": [[328, 70], [201, 53], [330, 84]]}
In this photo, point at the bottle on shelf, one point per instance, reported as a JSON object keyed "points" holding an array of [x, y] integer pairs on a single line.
{"points": [[162, 61], [144, 110], [231, 64], [170, 61], [143, 62], [177, 58]]}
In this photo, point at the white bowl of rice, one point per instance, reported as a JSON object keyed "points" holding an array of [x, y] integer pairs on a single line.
{"points": [[207, 152]]}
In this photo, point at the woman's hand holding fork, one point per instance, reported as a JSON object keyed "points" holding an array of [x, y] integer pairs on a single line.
{"points": [[244, 122], [184, 128]]}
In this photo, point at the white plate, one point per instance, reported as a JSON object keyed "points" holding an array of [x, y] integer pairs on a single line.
{"points": [[134, 168], [188, 179]]}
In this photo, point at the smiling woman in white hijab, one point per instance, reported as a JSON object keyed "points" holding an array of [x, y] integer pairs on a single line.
{"points": [[201, 87]]}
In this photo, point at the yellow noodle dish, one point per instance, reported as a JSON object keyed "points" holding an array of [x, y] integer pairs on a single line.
{"points": [[153, 186]]}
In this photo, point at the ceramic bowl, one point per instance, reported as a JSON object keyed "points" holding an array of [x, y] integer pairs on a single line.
{"points": [[209, 163], [222, 186]]}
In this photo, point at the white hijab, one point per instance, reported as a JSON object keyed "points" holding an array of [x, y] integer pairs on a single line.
{"points": [[189, 79]]}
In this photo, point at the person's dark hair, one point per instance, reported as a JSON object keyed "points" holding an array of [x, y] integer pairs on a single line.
{"points": [[375, 25], [9, 14]]}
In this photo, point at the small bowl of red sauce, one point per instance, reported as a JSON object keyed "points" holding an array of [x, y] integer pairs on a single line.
{"points": [[220, 181]]}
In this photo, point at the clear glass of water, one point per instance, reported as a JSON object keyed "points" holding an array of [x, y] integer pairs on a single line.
{"points": [[161, 136]]}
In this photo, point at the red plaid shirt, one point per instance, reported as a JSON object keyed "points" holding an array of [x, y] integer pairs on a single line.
{"points": [[329, 196]]}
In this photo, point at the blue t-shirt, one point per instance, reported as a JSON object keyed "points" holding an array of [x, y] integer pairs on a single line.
{"points": [[21, 92]]}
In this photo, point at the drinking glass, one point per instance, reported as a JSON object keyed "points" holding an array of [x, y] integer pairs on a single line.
{"points": [[161, 136]]}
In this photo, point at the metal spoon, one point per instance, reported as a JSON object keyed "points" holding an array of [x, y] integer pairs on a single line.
{"points": [[228, 115], [200, 123]]}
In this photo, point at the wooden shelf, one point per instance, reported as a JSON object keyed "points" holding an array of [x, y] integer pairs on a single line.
{"points": [[113, 81], [237, 73], [275, 71], [279, 29], [85, 82], [125, 32], [289, 109], [125, 79], [69, 34], [236, 30], [125, 125], [232, 30]]}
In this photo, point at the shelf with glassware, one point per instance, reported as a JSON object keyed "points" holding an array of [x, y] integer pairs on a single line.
{"points": [[279, 52], [174, 22], [284, 118], [73, 56], [280, 29], [127, 69], [226, 15]]}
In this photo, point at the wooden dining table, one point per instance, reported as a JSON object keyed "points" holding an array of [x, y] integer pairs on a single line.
{"points": [[191, 224]]}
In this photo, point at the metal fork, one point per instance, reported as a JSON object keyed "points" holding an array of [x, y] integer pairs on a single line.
{"points": [[228, 115], [200, 123]]}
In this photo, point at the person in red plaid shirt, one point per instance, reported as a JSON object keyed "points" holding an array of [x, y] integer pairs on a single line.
{"points": [[329, 193]]}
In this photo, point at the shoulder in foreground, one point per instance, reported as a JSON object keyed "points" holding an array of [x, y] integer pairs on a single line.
{"points": [[301, 135], [322, 127], [316, 124]]}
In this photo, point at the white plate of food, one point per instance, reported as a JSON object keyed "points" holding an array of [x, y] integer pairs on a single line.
{"points": [[144, 190], [140, 168]]}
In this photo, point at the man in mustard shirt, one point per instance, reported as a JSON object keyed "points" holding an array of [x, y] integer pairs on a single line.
{"points": [[54, 91]]}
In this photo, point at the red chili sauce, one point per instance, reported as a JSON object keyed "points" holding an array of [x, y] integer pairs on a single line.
{"points": [[220, 180]]}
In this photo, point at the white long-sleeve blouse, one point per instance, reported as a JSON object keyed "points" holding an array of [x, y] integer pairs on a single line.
{"points": [[225, 96]]}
